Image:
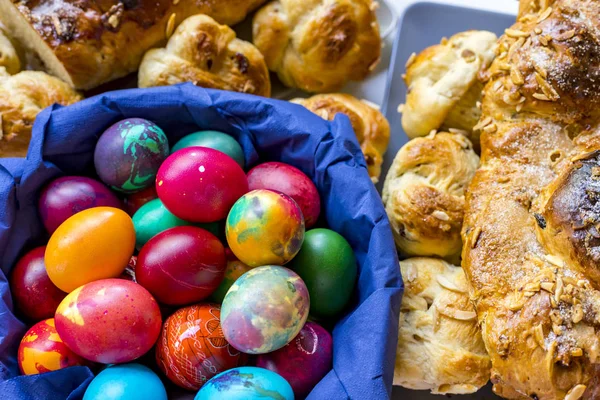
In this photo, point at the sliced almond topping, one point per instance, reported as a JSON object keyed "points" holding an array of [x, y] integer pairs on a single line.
{"points": [[401, 108], [538, 334], [543, 40], [556, 329], [170, 25], [460, 315], [540, 96], [447, 284], [576, 392], [515, 46], [441, 215], [444, 41], [546, 87], [475, 237], [559, 289], [516, 76], [411, 60], [537, 31], [519, 107], [576, 352], [577, 313], [540, 70], [532, 287], [458, 132], [547, 286], [545, 14], [503, 66], [491, 128], [482, 124], [566, 35], [515, 33]]}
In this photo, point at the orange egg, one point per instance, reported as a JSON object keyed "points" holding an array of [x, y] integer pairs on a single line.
{"points": [[93, 244]]}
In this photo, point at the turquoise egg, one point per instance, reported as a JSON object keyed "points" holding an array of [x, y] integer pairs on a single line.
{"points": [[246, 383], [264, 309], [214, 140], [153, 218], [126, 382]]}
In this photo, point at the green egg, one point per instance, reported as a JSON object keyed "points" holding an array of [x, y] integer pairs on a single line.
{"points": [[153, 218], [327, 265], [214, 140]]}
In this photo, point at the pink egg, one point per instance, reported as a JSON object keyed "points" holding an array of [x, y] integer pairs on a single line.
{"points": [[109, 321], [291, 181], [199, 184]]}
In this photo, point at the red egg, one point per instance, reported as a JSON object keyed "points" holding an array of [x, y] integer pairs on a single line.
{"points": [[181, 265], [192, 349], [33, 291], [291, 181], [109, 321], [134, 201], [42, 350], [199, 184]]}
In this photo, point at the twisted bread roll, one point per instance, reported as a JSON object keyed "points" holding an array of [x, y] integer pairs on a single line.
{"points": [[439, 343], [22, 97], [370, 126], [531, 231], [209, 55], [443, 88], [424, 194], [8, 55], [318, 45]]}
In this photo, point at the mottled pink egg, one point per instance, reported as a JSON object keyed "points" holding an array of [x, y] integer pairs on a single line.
{"points": [[64, 197], [109, 321], [304, 361], [289, 180], [199, 184]]}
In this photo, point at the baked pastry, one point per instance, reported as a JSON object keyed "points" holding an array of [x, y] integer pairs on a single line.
{"points": [[443, 85], [87, 43], [370, 126], [22, 97], [531, 229], [208, 54], [439, 343], [318, 45], [9, 58], [424, 194]]}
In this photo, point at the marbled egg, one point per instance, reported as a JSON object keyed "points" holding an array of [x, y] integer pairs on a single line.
{"points": [[290, 180], [265, 227], [235, 268], [64, 197], [304, 361], [199, 184], [128, 154], [181, 265], [192, 349], [34, 293], [109, 321], [94, 244], [264, 309], [126, 382], [42, 350], [214, 140], [246, 383], [134, 201]]}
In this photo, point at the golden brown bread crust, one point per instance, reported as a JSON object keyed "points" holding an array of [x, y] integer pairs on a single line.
{"points": [[439, 343], [9, 58], [208, 54], [318, 45], [22, 97], [370, 126], [87, 43], [529, 230]]}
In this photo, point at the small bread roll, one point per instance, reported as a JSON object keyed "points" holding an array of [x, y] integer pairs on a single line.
{"points": [[439, 342], [424, 194], [208, 54], [443, 85], [8, 55], [318, 45], [370, 126], [22, 97]]}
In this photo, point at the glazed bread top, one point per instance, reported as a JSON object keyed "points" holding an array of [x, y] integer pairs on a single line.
{"points": [[87, 43]]}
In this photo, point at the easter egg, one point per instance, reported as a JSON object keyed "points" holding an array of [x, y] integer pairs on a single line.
{"points": [[94, 244], [289, 180], [42, 350], [191, 348], [181, 265], [265, 228], [327, 265], [246, 383], [214, 140], [64, 197], [235, 268], [109, 321], [34, 293], [304, 361], [264, 309], [199, 184], [134, 201], [126, 382], [129, 153]]}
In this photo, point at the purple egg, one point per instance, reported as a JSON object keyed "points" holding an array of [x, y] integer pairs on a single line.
{"points": [[304, 361], [66, 196], [128, 154]]}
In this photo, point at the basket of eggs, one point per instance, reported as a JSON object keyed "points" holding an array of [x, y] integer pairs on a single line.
{"points": [[180, 241]]}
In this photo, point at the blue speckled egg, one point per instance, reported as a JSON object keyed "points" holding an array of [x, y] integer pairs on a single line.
{"points": [[246, 383], [128, 154], [126, 382]]}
